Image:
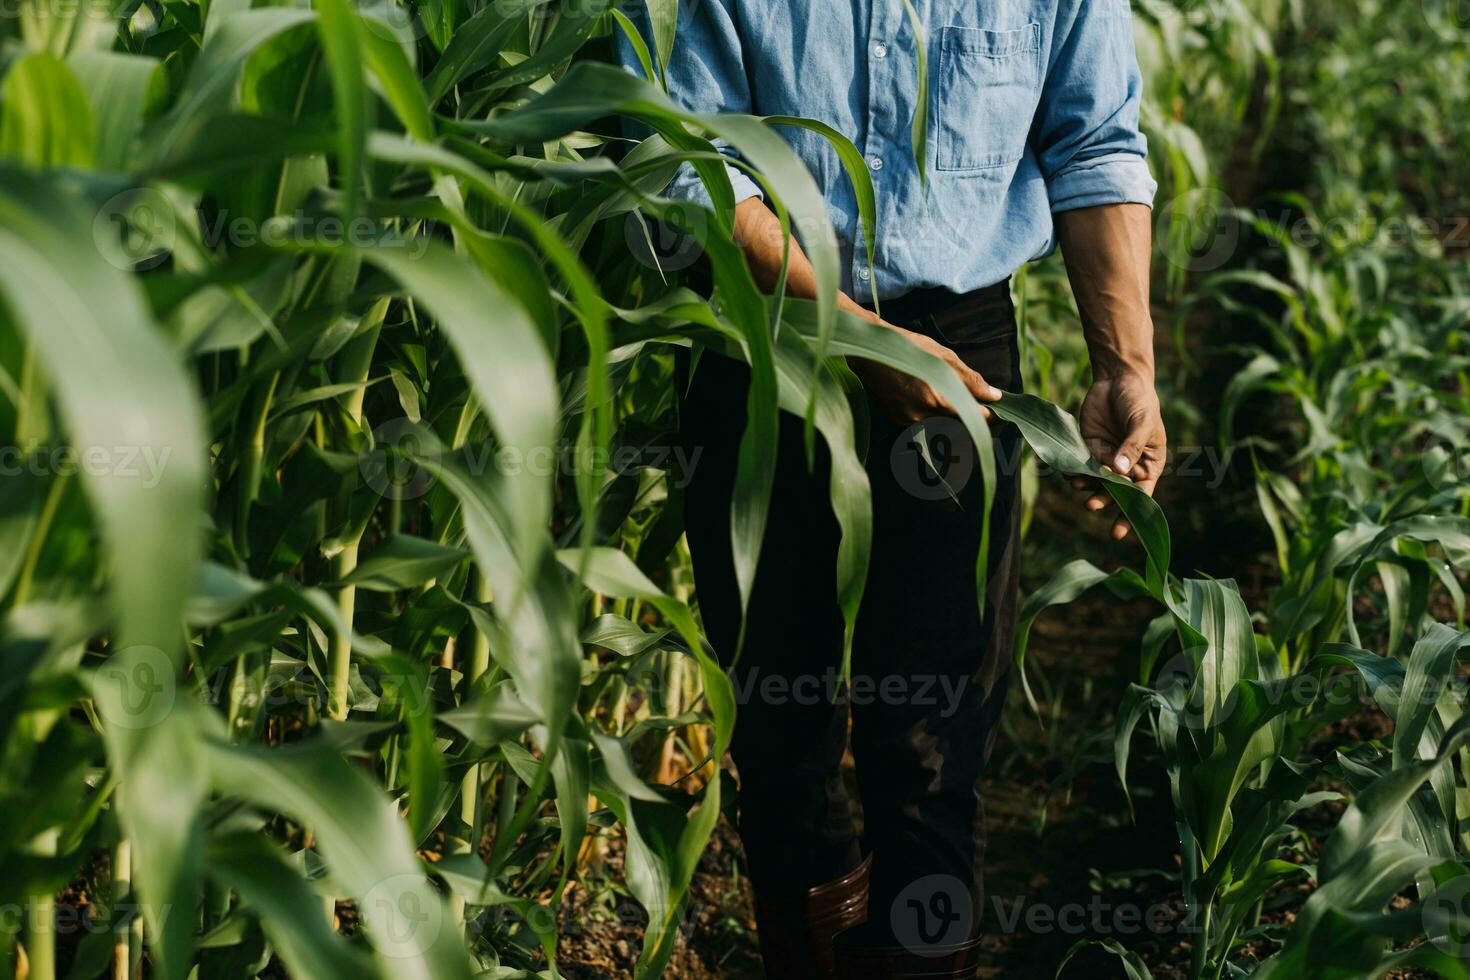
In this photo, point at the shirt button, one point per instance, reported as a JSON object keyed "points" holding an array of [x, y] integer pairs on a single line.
{"points": [[865, 273], [875, 162], [880, 50]]}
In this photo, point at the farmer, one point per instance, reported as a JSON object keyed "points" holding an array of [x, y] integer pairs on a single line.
{"points": [[1033, 141]]}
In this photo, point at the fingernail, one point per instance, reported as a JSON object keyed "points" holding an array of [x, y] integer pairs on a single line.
{"points": [[1123, 464], [994, 392]]}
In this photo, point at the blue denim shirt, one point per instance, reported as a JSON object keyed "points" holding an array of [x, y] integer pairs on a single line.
{"points": [[1033, 109]]}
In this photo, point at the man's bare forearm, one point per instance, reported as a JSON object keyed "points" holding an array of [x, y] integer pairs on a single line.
{"points": [[758, 232], [1107, 251]]}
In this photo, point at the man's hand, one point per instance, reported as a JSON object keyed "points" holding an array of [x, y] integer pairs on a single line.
{"points": [[1107, 250], [1124, 430], [904, 398]]}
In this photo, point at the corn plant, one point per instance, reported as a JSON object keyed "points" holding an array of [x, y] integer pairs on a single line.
{"points": [[1360, 308], [1231, 716], [344, 609], [1364, 495], [359, 615]]}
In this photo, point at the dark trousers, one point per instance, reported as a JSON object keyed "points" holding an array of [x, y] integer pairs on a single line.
{"points": [[929, 672]]}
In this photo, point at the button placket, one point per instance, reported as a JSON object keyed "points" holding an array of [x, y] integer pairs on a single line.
{"points": [[882, 25]]}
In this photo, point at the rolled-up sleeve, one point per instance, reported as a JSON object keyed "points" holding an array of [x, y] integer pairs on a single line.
{"points": [[1086, 133], [706, 74]]}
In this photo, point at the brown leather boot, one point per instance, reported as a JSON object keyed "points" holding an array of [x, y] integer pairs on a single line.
{"points": [[831, 908], [897, 963], [796, 935]]}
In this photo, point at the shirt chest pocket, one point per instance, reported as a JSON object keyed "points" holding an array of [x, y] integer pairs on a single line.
{"points": [[988, 85]]}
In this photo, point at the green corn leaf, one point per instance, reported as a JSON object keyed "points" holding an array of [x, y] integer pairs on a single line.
{"points": [[663, 15], [663, 846], [590, 91], [622, 636], [755, 472], [612, 572], [476, 44], [1341, 930], [341, 31], [920, 127], [1054, 437], [121, 89], [287, 908], [857, 174], [640, 49], [857, 337], [45, 118], [572, 774], [212, 78], [399, 83], [848, 486], [1137, 700], [590, 308], [1070, 582], [1431, 664], [540, 650], [504, 357], [491, 718], [404, 562], [364, 843], [89, 326], [570, 32], [1132, 964]]}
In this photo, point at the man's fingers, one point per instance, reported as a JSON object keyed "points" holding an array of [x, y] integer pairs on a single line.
{"points": [[1131, 452], [1099, 500], [1121, 529], [979, 387], [941, 406]]}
